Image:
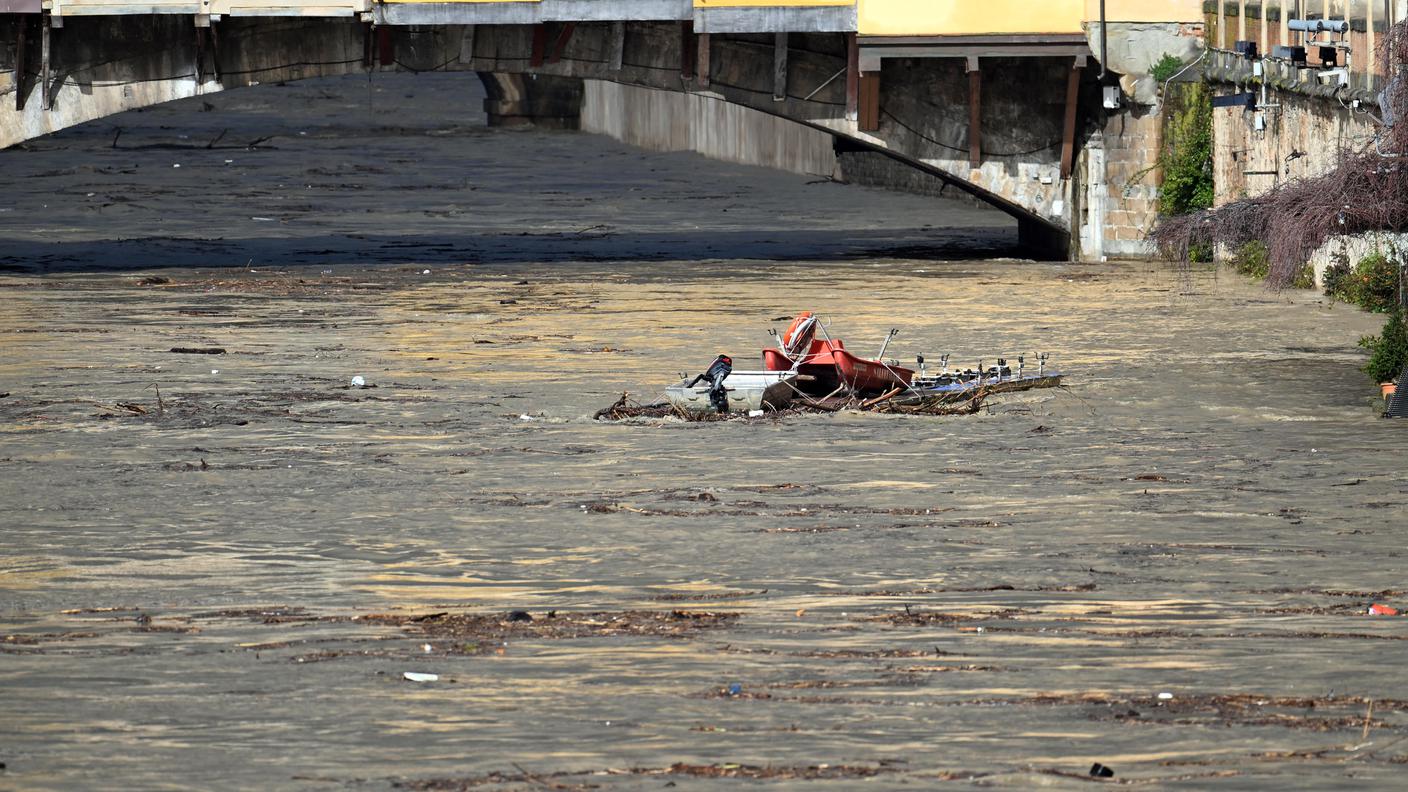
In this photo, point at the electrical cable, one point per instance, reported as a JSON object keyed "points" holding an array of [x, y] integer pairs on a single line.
{"points": [[964, 150]]}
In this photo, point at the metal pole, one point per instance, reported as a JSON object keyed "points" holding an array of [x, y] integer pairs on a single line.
{"points": [[1104, 43]]}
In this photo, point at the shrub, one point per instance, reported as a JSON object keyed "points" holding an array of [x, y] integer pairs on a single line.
{"points": [[1166, 68], [1388, 351], [1377, 276], [1372, 284], [1337, 279], [1304, 277], [1250, 260]]}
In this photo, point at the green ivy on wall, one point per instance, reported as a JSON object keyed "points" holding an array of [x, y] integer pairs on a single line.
{"points": [[1187, 156]]}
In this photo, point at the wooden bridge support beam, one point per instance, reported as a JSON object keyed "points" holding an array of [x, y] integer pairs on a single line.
{"points": [[869, 104], [975, 111], [19, 62], [539, 54], [200, 51], [214, 33], [688, 52], [385, 47], [559, 44], [1068, 129]]}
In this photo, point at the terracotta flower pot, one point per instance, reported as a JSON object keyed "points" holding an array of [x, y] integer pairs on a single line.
{"points": [[1388, 388]]}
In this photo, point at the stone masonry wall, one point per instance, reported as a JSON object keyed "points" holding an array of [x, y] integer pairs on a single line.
{"points": [[1303, 137], [1132, 146]]}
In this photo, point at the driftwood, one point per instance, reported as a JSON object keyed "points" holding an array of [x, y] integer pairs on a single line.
{"points": [[866, 405], [966, 404], [969, 406]]}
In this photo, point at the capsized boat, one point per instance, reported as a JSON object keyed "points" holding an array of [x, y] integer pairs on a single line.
{"points": [[747, 391], [827, 365]]}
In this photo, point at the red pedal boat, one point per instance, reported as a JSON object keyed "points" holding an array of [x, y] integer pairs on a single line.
{"points": [[828, 363]]}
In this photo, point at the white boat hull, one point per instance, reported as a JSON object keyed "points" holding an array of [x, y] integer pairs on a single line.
{"points": [[747, 391]]}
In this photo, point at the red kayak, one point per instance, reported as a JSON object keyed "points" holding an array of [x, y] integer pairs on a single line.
{"points": [[830, 365]]}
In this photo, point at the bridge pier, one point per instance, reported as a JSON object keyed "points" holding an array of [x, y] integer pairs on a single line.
{"points": [[540, 100], [1044, 242]]}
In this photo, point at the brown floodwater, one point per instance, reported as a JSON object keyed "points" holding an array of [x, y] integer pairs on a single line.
{"points": [[217, 568]]}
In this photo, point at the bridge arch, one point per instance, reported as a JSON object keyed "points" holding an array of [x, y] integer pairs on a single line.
{"points": [[98, 66]]}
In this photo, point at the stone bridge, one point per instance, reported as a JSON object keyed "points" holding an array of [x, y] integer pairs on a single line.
{"points": [[1001, 98]]}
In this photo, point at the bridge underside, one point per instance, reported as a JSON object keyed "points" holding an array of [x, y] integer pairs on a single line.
{"points": [[1007, 127]]}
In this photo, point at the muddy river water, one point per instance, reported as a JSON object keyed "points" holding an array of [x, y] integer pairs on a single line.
{"points": [[216, 569]]}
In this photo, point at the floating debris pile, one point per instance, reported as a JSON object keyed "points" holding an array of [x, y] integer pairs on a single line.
{"points": [[811, 371], [626, 408]]}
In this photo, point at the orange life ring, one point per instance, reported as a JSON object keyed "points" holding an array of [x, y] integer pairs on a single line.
{"points": [[797, 324]]}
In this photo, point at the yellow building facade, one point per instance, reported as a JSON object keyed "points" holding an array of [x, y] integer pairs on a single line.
{"points": [[1010, 17]]}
